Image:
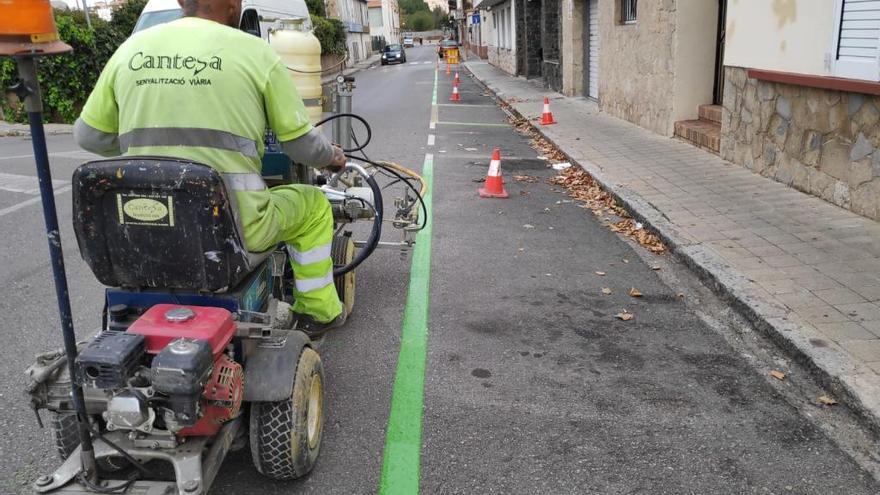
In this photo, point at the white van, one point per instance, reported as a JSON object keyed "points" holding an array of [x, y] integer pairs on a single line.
{"points": [[257, 16]]}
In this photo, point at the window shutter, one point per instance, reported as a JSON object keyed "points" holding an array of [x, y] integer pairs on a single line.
{"points": [[858, 46]]}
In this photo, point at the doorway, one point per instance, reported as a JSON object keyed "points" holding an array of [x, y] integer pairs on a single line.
{"points": [[718, 87]]}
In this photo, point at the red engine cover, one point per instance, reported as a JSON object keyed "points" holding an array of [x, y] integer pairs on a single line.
{"points": [[223, 394], [212, 324]]}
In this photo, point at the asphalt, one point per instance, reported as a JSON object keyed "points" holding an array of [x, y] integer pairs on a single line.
{"points": [[532, 385]]}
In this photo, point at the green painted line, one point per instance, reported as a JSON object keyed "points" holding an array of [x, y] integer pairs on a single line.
{"points": [[403, 440], [479, 124], [401, 459]]}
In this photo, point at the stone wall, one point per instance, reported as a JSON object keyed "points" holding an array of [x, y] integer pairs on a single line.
{"points": [[823, 142], [636, 64], [528, 33], [503, 58]]}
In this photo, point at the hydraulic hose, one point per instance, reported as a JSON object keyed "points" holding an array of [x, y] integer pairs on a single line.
{"points": [[375, 233]]}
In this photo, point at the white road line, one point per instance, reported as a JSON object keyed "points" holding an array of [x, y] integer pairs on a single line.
{"points": [[427, 62], [431, 138], [432, 125], [26, 184], [71, 153], [28, 202]]}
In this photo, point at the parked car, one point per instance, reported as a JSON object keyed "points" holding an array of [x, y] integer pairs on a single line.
{"points": [[445, 45], [393, 54], [408, 40]]}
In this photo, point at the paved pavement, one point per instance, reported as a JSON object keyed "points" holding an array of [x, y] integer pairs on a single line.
{"points": [[530, 385], [806, 271]]}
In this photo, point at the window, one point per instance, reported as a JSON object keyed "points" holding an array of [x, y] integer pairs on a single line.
{"points": [[856, 41], [250, 22], [628, 11]]}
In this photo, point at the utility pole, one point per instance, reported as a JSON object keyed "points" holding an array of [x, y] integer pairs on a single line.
{"points": [[86, 12]]}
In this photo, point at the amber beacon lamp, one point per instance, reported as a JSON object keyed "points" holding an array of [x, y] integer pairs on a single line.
{"points": [[28, 33]]}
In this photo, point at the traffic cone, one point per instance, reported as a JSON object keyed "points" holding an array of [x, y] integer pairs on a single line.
{"points": [[455, 96], [547, 117], [494, 185], [457, 81]]}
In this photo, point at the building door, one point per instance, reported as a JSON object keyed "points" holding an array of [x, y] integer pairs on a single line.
{"points": [[592, 51], [718, 88]]}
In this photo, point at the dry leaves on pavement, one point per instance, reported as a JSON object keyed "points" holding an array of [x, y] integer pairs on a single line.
{"points": [[606, 290], [828, 401], [601, 274], [582, 187], [778, 375], [633, 292]]}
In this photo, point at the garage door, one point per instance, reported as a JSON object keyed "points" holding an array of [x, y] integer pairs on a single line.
{"points": [[593, 67]]}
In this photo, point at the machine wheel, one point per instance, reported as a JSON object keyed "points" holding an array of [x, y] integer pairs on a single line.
{"points": [[66, 433], [285, 436], [342, 252], [64, 429]]}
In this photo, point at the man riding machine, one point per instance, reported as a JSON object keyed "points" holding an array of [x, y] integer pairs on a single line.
{"points": [[218, 284]]}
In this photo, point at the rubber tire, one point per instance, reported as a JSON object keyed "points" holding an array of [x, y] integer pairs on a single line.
{"points": [[342, 252], [66, 433], [278, 431]]}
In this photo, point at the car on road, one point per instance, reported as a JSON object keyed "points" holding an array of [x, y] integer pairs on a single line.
{"points": [[445, 45], [408, 40], [393, 54]]}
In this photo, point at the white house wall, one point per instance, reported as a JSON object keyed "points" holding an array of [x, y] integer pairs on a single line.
{"points": [[780, 35]]}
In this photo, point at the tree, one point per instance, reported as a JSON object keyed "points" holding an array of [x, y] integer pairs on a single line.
{"points": [[412, 6], [125, 17], [441, 18], [420, 21], [316, 7]]}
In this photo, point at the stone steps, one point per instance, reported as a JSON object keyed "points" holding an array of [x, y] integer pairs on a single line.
{"points": [[704, 132]]}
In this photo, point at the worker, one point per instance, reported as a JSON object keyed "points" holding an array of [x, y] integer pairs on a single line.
{"points": [[199, 89]]}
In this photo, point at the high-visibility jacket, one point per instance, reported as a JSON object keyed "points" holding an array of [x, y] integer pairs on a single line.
{"points": [[199, 90]]}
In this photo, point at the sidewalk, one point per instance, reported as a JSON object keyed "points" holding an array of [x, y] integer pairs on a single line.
{"points": [[13, 129], [805, 272]]}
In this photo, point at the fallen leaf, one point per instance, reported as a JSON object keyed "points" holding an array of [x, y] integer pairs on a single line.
{"points": [[606, 290], [828, 401], [624, 316], [778, 375], [601, 274], [635, 292], [625, 260], [525, 178], [528, 226], [680, 295], [655, 267]]}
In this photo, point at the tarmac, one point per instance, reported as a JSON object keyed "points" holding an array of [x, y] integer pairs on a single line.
{"points": [[801, 270]]}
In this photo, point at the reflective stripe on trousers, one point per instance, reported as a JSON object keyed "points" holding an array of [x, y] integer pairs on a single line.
{"points": [[188, 136], [310, 284], [313, 255]]}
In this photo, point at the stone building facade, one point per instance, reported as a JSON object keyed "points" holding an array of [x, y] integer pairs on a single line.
{"points": [[823, 142], [659, 69]]}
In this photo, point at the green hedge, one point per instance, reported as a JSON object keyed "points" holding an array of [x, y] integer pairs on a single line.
{"points": [[67, 80], [331, 34]]}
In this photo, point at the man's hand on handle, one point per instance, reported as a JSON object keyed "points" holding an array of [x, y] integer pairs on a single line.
{"points": [[338, 160]]}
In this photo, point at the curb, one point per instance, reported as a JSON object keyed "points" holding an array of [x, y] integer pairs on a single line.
{"points": [[15, 130], [852, 384]]}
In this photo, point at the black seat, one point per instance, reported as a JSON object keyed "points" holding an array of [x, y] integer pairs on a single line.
{"points": [[153, 222]]}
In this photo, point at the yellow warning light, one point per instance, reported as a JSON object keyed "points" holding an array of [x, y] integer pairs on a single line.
{"points": [[27, 27]]}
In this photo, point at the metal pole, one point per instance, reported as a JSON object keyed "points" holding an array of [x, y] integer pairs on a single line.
{"points": [[27, 70], [86, 12], [342, 126]]}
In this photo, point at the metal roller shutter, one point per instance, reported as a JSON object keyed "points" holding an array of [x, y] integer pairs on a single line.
{"points": [[858, 44], [593, 75]]}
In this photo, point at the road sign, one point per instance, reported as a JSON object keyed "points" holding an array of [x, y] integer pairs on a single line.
{"points": [[475, 19]]}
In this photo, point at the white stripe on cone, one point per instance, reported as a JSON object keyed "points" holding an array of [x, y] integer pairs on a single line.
{"points": [[494, 168]]}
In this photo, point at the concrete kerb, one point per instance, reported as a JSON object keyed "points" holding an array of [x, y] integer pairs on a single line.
{"points": [[854, 385], [11, 129]]}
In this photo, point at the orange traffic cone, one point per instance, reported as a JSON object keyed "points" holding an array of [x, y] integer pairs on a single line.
{"points": [[494, 186], [547, 117], [455, 96], [457, 81]]}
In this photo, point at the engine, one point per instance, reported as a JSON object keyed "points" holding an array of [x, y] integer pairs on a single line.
{"points": [[170, 370]]}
